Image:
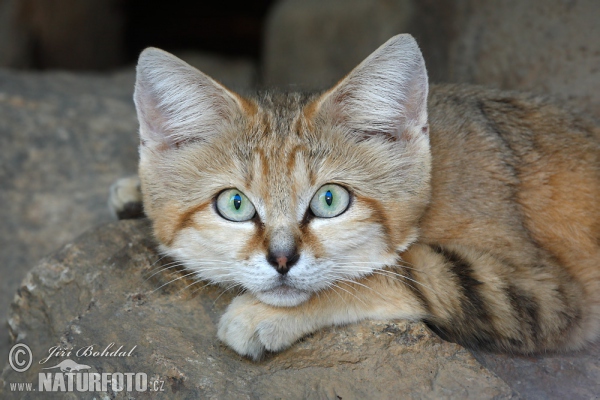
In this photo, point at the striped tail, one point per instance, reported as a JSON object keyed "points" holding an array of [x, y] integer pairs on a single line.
{"points": [[483, 302]]}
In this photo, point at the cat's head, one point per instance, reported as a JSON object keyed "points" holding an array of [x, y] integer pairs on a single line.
{"points": [[285, 194]]}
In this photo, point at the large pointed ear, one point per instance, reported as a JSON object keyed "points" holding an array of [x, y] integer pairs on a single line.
{"points": [[176, 103], [385, 95]]}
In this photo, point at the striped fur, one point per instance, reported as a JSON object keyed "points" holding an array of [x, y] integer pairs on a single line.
{"points": [[477, 212]]}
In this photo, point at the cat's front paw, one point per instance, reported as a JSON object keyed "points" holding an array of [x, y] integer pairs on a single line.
{"points": [[251, 327]]}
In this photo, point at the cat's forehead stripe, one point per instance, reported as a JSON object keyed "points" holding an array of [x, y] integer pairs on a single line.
{"points": [[264, 162]]}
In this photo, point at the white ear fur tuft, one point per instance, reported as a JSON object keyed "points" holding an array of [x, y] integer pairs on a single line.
{"points": [[385, 94], [175, 102]]}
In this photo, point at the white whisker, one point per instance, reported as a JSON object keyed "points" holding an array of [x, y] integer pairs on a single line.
{"points": [[173, 280]]}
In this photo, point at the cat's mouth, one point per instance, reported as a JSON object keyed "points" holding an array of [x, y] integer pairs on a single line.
{"points": [[283, 295]]}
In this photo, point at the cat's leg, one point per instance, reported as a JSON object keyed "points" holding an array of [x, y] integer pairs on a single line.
{"points": [[466, 296], [125, 198], [250, 327]]}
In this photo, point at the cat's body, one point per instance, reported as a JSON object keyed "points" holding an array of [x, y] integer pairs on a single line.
{"points": [[516, 178], [484, 223]]}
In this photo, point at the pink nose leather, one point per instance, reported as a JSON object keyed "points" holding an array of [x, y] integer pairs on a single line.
{"points": [[282, 261]]}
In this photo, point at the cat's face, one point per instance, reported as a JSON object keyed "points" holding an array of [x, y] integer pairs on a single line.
{"points": [[283, 195]]}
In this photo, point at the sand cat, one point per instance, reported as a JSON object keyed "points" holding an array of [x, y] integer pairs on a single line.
{"points": [[474, 210]]}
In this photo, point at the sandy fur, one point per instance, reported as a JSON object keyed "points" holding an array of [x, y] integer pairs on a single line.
{"points": [[472, 209]]}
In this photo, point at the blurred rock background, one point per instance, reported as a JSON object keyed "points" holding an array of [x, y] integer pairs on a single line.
{"points": [[67, 122]]}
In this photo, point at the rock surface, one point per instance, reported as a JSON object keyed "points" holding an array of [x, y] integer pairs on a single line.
{"points": [[545, 46], [311, 44], [237, 74], [62, 34], [64, 139], [561, 376], [100, 290]]}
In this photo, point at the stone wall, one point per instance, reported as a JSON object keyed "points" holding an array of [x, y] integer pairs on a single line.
{"points": [[545, 46]]}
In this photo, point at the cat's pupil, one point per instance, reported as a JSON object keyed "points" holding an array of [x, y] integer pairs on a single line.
{"points": [[328, 198], [237, 201]]}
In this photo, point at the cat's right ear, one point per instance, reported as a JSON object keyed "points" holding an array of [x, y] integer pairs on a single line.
{"points": [[176, 103]]}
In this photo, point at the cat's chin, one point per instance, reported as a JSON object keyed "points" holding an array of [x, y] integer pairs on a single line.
{"points": [[283, 296]]}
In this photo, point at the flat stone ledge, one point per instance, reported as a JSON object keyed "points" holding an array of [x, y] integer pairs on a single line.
{"points": [[99, 290]]}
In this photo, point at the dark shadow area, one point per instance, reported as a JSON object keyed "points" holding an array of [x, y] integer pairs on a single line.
{"points": [[100, 35], [232, 28]]}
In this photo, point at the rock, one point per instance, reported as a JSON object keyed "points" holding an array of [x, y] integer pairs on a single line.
{"points": [[63, 34], [237, 74], [548, 47], [103, 289], [545, 46], [559, 376], [64, 139], [311, 44]]}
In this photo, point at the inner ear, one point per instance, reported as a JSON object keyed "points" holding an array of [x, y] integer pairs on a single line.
{"points": [[177, 104], [385, 95]]}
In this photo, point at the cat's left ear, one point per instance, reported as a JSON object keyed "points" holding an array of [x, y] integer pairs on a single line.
{"points": [[176, 103], [386, 94]]}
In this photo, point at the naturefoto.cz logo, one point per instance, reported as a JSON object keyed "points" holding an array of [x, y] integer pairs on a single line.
{"points": [[71, 376]]}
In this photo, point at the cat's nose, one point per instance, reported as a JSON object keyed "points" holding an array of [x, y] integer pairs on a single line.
{"points": [[282, 261]]}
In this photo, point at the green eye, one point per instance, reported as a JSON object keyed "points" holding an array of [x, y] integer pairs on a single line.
{"points": [[235, 206], [330, 201]]}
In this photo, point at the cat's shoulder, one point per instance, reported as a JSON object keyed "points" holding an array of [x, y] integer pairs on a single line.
{"points": [[470, 98], [463, 109]]}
